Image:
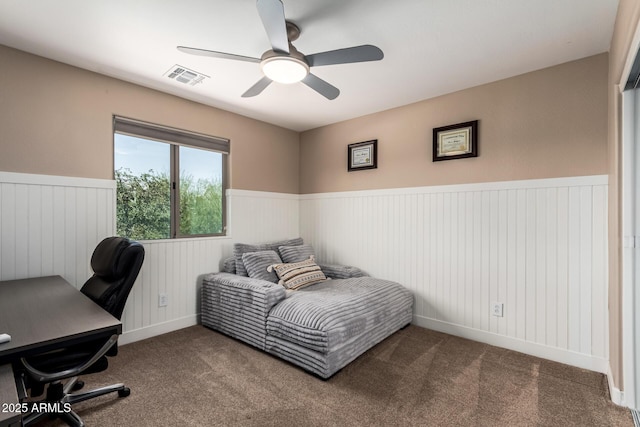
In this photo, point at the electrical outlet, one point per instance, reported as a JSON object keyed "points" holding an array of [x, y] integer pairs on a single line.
{"points": [[497, 309], [163, 300]]}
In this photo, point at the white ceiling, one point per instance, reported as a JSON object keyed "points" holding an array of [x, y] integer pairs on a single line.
{"points": [[431, 47]]}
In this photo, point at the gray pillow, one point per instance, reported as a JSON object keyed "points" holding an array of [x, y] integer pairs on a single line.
{"points": [[336, 271], [242, 248], [256, 264], [229, 265], [296, 253]]}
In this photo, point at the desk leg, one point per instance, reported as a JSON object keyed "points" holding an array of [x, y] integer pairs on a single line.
{"points": [[10, 414]]}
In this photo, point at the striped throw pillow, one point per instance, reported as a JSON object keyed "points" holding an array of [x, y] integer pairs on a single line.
{"points": [[297, 275], [257, 263], [296, 253], [241, 248], [229, 265]]}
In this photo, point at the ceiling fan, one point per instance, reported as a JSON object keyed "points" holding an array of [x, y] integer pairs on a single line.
{"points": [[284, 63]]}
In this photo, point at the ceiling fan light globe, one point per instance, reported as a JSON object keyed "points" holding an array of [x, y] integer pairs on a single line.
{"points": [[284, 69]]}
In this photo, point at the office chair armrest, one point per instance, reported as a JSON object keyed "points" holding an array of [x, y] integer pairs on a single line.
{"points": [[46, 377]]}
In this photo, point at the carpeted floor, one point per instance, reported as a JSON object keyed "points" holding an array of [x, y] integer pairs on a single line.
{"points": [[417, 377]]}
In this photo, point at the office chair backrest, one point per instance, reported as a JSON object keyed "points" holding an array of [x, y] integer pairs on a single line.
{"points": [[116, 262]]}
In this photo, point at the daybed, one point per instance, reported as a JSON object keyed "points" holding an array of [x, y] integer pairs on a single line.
{"points": [[321, 326]]}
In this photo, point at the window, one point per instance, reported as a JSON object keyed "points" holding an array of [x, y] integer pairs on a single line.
{"points": [[170, 183]]}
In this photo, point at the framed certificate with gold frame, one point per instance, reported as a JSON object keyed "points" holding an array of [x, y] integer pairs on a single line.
{"points": [[455, 141]]}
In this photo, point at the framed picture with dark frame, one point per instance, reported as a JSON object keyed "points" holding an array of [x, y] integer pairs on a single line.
{"points": [[455, 141], [362, 155]]}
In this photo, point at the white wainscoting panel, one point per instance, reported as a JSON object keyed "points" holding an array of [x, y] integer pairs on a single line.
{"points": [[537, 246], [260, 216], [176, 267], [50, 225]]}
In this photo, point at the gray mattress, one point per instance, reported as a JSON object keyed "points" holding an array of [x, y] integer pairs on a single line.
{"points": [[321, 328], [325, 316], [327, 326]]}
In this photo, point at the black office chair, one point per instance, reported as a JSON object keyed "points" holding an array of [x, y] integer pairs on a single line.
{"points": [[116, 263]]}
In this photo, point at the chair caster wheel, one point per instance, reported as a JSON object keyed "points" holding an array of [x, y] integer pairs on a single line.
{"points": [[124, 392], [77, 386]]}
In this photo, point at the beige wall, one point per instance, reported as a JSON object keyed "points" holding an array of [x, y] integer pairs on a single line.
{"points": [[57, 120], [625, 27], [548, 123]]}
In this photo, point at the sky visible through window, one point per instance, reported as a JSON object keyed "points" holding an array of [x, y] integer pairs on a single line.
{"points": [[141, 155]]}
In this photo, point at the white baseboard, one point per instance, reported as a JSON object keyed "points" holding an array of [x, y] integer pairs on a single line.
{"points": [[617, 396], [567, 357], [157, 329]]}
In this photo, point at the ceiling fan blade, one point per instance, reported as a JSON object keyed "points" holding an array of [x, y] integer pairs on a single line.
{"points": [[348, 55], [323, 88], [214, 54], [272, 15], [257, 88]]}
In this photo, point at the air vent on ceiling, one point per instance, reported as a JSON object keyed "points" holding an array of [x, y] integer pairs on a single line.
{"points": [[185, 75]]}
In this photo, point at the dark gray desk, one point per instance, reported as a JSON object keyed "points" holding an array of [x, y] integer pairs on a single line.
{"points": [[9, 415], [45, 313]]}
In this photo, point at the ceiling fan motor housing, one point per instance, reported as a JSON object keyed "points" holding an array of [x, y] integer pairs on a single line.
{"points": [[293, 31]]}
